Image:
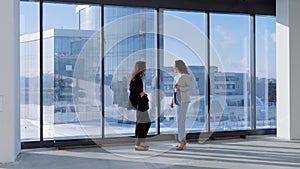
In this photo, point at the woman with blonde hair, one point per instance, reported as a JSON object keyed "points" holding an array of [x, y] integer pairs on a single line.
{"points": [[139, 101], [182, 86]]}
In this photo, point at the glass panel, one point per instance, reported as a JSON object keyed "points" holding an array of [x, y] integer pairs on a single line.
{"points": [[184, 38], [229, 72], [71, 71], [266, 72], [130, 36], [29, 71]]}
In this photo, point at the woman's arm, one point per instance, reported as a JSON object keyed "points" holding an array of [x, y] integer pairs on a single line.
{"points": [[185, 83], [137, 87]]}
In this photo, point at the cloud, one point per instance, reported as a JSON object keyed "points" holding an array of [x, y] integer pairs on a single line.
{"points": [[236, 65], [226, 37]]}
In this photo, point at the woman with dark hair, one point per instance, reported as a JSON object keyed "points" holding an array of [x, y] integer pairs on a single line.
{"points": [[182, 86], [139, 101]]}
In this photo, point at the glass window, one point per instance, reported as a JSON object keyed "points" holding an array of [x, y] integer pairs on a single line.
{"points": [[184, 38], [29, 71], [265, 71], [130, 36], [71, 71], [229, 72]]}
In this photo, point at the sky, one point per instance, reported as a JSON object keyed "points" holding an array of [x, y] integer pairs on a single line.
{"points": [[229, 35]]}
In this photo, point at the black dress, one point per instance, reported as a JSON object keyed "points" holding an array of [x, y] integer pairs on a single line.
{"points": [[143, 122]]}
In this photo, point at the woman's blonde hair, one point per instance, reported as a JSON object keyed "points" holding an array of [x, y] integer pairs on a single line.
{"points": [[181, 66], [137, 71]]}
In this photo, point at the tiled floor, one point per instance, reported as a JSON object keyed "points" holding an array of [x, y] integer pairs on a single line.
{"points": [[253, 152]]}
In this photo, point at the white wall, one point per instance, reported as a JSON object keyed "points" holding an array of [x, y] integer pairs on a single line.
{"points": [[288, 60], [9, 81]]}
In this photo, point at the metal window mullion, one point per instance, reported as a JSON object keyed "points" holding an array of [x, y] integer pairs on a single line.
{"points": [[207, 104], [41, 71], [102, 72], [253, 72], [159, 43]]}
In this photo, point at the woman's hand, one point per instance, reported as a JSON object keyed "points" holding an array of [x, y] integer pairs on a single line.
{"points": [[172, 104], [177, 87], [142, 94]]}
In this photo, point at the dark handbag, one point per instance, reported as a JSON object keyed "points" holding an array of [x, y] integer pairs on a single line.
{"points": [[177, 98], [143, 104]]}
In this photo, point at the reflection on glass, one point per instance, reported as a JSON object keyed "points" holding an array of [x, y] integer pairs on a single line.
{"points": [[130, 36], [29, 72], [71, 64], [266, 71], [229, 80], [72, 85], [184, 38]]}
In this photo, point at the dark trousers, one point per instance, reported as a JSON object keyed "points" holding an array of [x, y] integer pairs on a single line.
{"points": [[143, 124]]}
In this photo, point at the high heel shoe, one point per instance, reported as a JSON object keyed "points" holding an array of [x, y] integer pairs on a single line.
{"points": [[181, 145], [144, 145], [140, 148]]}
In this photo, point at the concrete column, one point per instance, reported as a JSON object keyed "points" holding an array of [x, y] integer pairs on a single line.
{"points": [[9, 81], [288, 68]]}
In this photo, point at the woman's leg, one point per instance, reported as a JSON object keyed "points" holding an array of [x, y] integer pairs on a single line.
{"points": [[142, 127], [146, 125], [138, 133], [181, 116]]}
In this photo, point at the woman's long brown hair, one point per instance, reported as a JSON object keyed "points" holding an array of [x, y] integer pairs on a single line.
{"points": [[181, 66], [138, 68]]}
